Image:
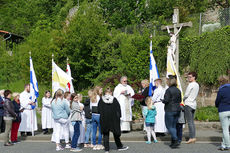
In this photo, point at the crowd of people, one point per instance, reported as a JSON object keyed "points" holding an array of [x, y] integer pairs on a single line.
{"points": [[78, 123]]}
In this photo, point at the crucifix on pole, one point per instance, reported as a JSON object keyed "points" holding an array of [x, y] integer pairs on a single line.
{"points": [[174, 41]]}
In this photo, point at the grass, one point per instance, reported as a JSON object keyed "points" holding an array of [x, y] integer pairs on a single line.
{"points": [[18, 86], [209, 114]]}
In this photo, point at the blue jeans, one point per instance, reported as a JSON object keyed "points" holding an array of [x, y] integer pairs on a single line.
{"points": [[171, 119], [76, 134], [225, 123], [179, 130], [96, 123], [89, 129]]}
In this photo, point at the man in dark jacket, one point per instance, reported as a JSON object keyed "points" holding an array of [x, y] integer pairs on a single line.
{"points": [[110, 114]]}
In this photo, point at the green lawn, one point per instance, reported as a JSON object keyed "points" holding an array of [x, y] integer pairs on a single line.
{"points": [[209, 113], [18, 86]]}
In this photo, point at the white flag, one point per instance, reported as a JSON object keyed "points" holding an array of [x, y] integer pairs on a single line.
{"points": [[69, 87]]}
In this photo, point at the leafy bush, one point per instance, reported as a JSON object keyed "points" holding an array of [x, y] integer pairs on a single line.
{"points": [[208, 55], [209, 113]]}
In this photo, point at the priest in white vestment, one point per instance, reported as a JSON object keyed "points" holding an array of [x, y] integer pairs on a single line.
{"points": [[158, 95], [123, 92], [28, 116]]}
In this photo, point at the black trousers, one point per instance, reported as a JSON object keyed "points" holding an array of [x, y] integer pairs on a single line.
{"points": [[2, 124], [116, 138]]}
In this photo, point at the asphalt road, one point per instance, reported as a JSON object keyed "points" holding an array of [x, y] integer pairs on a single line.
{"points": [[134, 147]]}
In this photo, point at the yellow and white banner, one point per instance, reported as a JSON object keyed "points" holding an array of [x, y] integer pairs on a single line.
{"points": [[59, 78], [171, 70]]}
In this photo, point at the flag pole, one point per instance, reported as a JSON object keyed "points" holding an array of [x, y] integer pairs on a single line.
{"points": [[32, 112], [52, 74], [150, 49]]}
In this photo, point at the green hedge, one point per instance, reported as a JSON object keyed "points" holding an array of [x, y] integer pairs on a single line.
{"points": [[209, 113], [208, 55]]}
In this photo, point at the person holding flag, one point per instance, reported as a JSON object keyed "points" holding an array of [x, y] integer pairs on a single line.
{"points": [[60, 80], [158, 95], [28, 99], [156, 91]]}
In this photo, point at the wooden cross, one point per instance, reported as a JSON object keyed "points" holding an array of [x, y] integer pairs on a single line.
{"points": [[177, 25]]}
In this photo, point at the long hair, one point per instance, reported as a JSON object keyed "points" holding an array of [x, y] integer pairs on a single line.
{"points": [[73, 95], [80, 96], [59, 93], [93, 97], [97, 90], [90, 92], [148, 102]]}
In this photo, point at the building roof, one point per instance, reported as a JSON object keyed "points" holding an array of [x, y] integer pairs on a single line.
{"points": [[8, 36]]}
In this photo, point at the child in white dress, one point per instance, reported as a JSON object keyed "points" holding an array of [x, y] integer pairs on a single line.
{"points": [[47, 120]]}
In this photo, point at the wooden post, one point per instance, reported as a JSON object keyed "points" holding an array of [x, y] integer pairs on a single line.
{"points": [[176, 18]]}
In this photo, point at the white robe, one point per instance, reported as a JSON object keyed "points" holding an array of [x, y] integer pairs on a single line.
{"points": [[47, 119], [126, 103], [28, 116], [158, 95]]}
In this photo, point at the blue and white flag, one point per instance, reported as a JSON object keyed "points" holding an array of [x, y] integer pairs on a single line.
{"points": [[153, 72], [33, 84]]}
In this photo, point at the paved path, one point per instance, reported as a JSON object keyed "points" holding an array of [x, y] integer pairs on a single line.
{"points": [[205, 135], [134, 147]]}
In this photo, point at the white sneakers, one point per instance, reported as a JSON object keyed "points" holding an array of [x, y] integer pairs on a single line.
{"points": [[67, 146], [98, 147], [59, 148], [123, 148]]}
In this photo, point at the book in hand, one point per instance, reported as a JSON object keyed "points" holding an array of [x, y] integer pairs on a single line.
{"points": [[138, 97]]}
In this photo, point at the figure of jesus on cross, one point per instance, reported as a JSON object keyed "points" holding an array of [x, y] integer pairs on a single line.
{"points": [[172, 42], [173, 46]]}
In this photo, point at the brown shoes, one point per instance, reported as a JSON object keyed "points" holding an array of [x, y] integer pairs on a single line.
{"points": [[191, 140]]}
